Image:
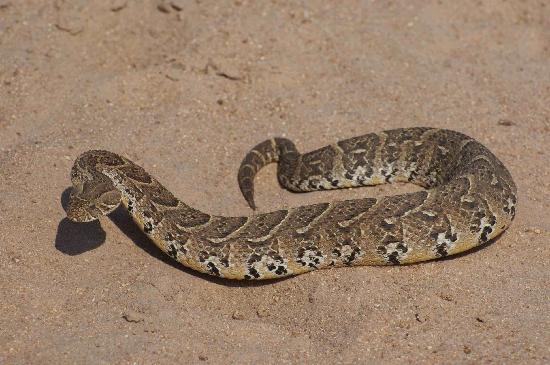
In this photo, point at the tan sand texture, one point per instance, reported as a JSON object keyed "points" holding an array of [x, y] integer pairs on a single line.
{"points": [[185, 89]]}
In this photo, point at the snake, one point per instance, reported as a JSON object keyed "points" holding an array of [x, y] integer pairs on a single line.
{"points": [[468, 197]]}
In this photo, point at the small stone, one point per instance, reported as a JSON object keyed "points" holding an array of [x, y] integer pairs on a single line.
{"points": [[505, 122], [467, 350], [533, 230], [70, 27], [69, 21], [163, 7], [177, 5], [262, 312], [4, 4], [229, 71], [237, 315], [118, 5], [171, 75], [179, 66], [230, 75], [132, 316], [176, 72], [203, 357]]}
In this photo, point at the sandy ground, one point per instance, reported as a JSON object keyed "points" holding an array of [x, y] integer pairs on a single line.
{"points": [[185, 91]]}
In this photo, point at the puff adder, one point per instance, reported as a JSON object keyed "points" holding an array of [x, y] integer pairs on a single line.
{"points": [[469, 198]]}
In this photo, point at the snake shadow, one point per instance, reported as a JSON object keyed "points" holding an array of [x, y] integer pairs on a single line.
{"points": [[77, 238], [472, 250]]}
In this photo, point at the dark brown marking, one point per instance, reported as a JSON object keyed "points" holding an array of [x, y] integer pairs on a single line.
{"points": [[136, 173], [187, 217], [160, 195]]}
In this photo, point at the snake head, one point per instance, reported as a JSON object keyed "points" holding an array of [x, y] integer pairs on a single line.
{"points": [[83, 208], [92, 196]]}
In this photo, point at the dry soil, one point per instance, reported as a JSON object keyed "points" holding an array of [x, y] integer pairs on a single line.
{"points": [[185, 88]]}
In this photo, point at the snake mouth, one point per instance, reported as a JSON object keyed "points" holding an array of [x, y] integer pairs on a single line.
{"points": [[88, 202]]}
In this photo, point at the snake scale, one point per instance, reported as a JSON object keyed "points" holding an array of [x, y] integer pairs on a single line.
{"points": [[469, 198]]}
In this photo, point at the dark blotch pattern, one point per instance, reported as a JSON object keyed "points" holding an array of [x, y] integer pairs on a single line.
{"points": [[172, 251], [309, 256], [136, 173]]}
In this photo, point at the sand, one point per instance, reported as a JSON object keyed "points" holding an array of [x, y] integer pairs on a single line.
{"points": [[185, 89]]}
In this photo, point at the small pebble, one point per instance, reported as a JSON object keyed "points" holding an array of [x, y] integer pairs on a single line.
{"points": [[505, 122], [163, 7], [262, 312], [533, 230], [70, 27], [118, 5], [173, 75], [203, 357], [237, 315], [177, 5], [179, 66], [446, 297], [132, 316], [467, 350]]}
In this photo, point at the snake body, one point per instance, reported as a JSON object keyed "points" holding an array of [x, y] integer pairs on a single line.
{"points": [[469, 198]]}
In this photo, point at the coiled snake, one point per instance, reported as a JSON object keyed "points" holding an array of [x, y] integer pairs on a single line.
{"points": [[470, 198]]}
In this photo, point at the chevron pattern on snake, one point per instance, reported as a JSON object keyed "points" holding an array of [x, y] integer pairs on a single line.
{"points": [[469, 198]]}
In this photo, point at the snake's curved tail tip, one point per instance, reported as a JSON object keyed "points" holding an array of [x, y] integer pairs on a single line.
{"points": [[250, 201]]}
